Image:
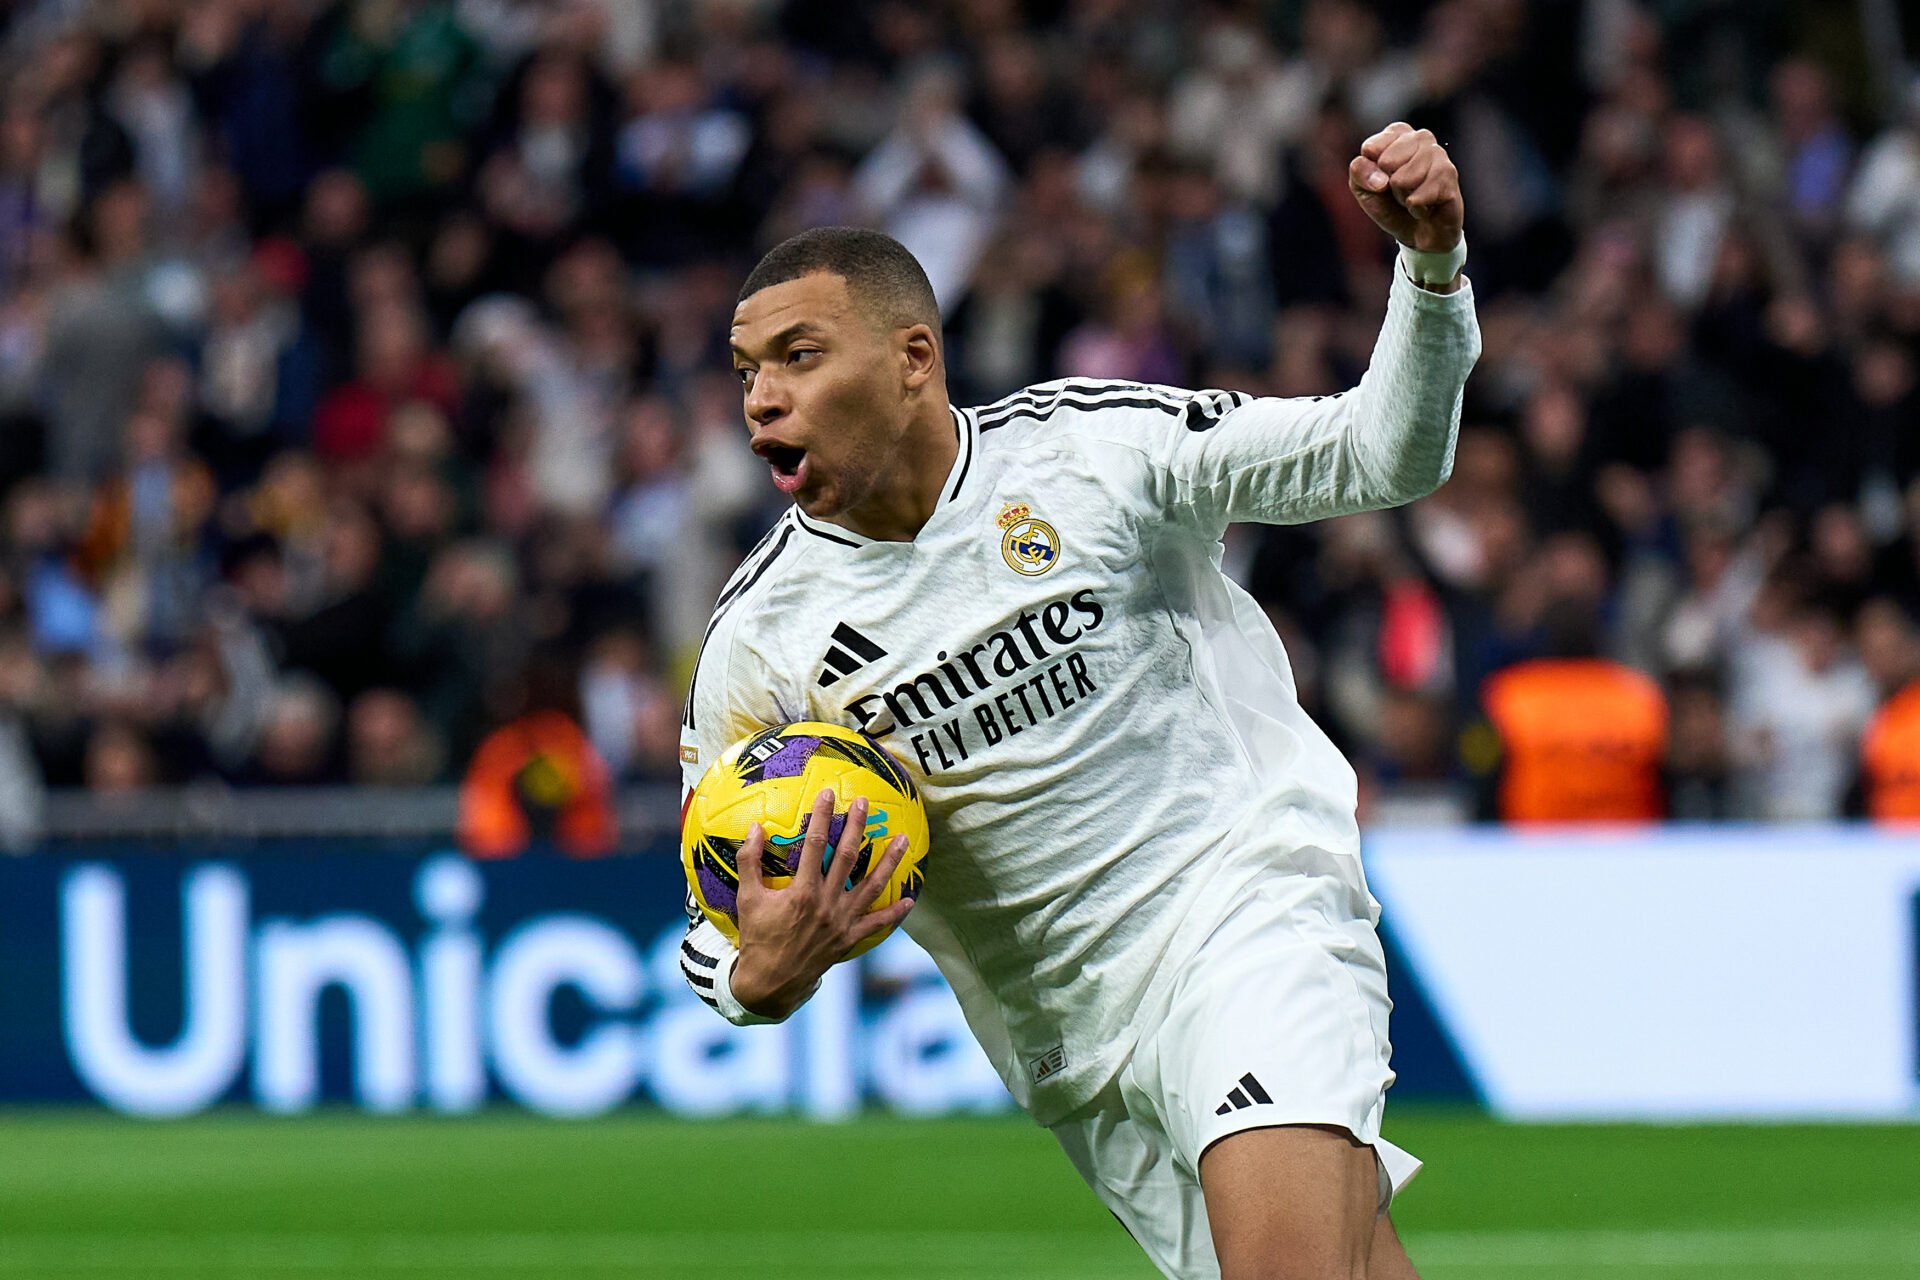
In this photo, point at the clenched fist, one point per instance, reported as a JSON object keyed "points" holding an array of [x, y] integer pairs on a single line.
{"points": [[1407, 184]]}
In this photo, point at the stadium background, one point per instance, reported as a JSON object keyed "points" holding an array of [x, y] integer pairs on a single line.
{"points": [[369, 458]]}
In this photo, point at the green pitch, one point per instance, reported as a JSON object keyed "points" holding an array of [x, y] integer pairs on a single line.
{"points": [[504, 1195]]}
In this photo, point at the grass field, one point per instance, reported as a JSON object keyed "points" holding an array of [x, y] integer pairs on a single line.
{"points": [[505, 1195]]}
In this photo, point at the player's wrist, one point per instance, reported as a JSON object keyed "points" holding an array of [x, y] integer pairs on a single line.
{"points": [[766, 995], [749, 990], [1435, 270]]}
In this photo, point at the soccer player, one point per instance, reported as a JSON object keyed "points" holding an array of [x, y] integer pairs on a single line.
{"points": [[1145, 884]]}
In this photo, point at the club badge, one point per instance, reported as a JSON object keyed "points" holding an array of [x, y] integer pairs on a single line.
{"points": [[1029, 544]]}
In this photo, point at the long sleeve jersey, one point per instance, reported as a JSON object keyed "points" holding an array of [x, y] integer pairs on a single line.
{"points": [[1104, 726]]}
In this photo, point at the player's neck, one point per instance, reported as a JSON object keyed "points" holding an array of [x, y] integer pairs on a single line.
{"points": [[903, 505]]}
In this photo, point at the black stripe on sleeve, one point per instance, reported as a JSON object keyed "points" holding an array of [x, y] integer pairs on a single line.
{"points": [[1207, 408], [699, 980], [697, 956], [1036, 403], [727, 602], [1042, 412], [749, 571], [1077, 386]]}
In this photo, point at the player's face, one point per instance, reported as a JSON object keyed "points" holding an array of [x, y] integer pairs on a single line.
{"points": [[824, 396]]}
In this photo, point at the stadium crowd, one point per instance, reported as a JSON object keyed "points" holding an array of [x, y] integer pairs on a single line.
{"points": [[364, 381]]}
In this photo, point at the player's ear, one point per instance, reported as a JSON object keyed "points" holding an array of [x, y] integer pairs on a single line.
{"points": [[920, 355]]}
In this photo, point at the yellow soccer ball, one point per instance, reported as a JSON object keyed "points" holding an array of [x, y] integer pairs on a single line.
{"points": [[772, 778]]}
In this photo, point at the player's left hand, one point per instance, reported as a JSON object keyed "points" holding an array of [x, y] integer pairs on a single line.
{"points": [[790, 937], [1406, 182]]}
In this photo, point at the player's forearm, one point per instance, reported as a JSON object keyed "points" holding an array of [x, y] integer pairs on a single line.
{"points": [[1405, 414], [1387, 441]]}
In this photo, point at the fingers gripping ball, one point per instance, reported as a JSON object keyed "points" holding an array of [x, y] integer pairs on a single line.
{"points": [[772, 778]]}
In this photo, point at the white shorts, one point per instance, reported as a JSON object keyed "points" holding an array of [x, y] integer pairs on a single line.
{"points": [[1280, 1017]]}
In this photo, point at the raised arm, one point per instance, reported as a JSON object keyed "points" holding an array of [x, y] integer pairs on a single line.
{"points": [[1390, 440], [1385, 442]]}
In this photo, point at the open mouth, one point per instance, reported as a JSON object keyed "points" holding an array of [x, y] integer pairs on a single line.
{"points": [[789, 464]]}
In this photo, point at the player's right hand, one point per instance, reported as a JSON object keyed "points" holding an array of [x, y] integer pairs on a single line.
{"points": [[1406, 182], [790, 937]]}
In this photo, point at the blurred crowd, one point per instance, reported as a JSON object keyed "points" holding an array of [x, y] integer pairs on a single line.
{"points": [[364, 387]]}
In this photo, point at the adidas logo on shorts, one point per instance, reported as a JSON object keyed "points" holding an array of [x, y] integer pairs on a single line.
{"points": [[1248, 1094], [1049, 1064], [840, 662]]}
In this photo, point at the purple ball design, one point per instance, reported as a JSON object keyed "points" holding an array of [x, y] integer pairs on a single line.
{"points": [[791, 758], [834, 831], [718, 893], [782, 858]]}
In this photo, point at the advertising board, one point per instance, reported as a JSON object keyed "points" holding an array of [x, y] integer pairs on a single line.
{"points": [[1685, 973], [1632, 974], [162, 984]]}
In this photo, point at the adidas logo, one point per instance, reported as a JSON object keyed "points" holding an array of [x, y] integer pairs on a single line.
{"points": [[1239, 1100], [840, 662]]}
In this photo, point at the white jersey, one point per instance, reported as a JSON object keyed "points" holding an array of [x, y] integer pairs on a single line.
{"points": [[1104, 726]]}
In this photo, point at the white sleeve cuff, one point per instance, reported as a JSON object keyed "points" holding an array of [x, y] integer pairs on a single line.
{"points": [[1433, 268], [730, 1009]]}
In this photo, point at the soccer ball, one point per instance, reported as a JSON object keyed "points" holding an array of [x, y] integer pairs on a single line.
{"points": [[772, 778]]}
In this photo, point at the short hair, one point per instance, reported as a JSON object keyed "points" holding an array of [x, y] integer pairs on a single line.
{"points": [[879, 272]]}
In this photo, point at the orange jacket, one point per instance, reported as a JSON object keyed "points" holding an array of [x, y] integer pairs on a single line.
{"points": [[543, 763], [1890, 756], [107, 539], [1582, 740]]}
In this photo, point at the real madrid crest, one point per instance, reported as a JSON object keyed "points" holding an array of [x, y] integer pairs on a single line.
{"points": [[1029, 544]]}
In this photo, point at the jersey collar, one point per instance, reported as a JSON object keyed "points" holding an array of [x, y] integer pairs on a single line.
{"points": [[963, 425], [963, 460]]}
